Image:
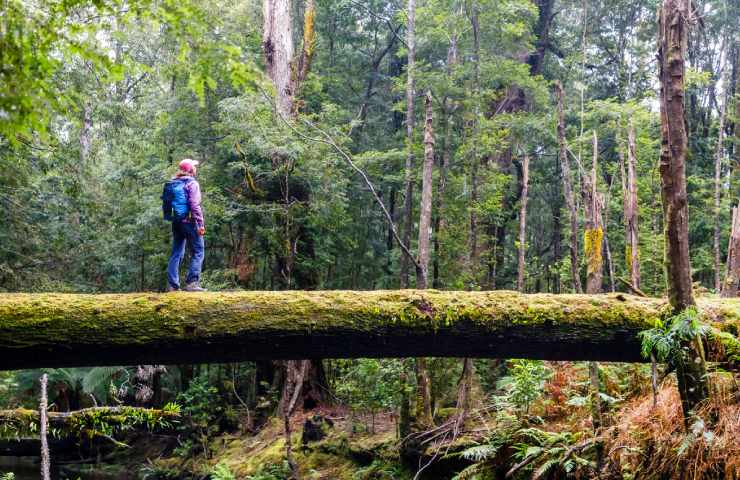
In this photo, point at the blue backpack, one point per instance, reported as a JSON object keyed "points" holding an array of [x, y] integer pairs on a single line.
{"points": [[175, 199]]}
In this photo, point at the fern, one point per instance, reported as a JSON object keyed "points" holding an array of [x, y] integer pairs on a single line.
{"points": [[469, 473], [545, 468], [664, 340], [479, 453]]}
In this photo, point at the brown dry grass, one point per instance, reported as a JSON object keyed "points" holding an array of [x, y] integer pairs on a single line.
{"points": [[652, 443]]}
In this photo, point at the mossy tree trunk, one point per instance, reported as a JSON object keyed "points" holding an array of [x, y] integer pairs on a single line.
{"points": [[523, 224], [672, 43], [629, 179], [55, 330]]}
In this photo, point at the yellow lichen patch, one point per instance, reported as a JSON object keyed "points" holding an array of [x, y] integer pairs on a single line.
{"points": [[592, 243]]}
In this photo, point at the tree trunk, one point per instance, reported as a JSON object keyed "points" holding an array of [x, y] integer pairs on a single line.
{"points": [[448, 109], [731, 287], [423, 412], [673, 39], [44, 426], [423, 387], [472, 266], [277, 46], [86, 132], [464, 387], [568, 191], [593, 235], [523, 223], [631, 240], [718, 197], [425, 210], [43, 330], [304, 60], [409, 170]]}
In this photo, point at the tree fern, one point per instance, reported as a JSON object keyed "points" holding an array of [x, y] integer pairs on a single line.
{"points": [[97, 380]]}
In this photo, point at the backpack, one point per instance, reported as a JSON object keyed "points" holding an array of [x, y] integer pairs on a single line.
{"points": [[175, 200]]}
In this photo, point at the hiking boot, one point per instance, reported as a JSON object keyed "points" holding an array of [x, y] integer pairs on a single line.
{"points": [[194, 287], [170, 288]]}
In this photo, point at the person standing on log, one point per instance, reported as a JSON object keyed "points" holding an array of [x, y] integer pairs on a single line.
{"points": [[181, 205]]}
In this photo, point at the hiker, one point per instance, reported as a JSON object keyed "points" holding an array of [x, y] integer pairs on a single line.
{"points": [[181, 206]]}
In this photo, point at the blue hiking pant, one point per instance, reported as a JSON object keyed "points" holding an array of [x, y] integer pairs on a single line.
{"points": [[185, 233]]}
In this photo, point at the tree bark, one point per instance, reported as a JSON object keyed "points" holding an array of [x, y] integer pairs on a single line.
{"points": [[423, 412], [631, 240], [568, 191], [44, 330], [304, 60], [718, 197], [464, 387], [43, 428], [474, 161], [731, 286], [86, 131], [593, 235], [423, 387], [425, 210], [277, 46], [409, 169], [448, 108], [523, 223], [672, 43]]}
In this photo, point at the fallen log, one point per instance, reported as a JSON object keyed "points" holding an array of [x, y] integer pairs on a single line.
{"points": [[45, 330], [88, 422]]}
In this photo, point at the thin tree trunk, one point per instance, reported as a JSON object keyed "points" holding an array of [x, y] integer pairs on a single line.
{"points": [[448, 108], [423, 411], [593, 235], [409, 170], [86, 132], [731, 287], [631, 240], [43, 406], [425, 210], [672, 43], [474, 162], [464, 386], [718, 197], [568, 191], [423, 391], [295, 374], [523, 223]]}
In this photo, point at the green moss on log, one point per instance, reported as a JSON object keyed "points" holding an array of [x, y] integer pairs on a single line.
{"points": [[69, 329], [88, 423]]}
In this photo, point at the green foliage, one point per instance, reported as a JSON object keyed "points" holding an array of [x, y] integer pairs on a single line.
{"points": [[524, 383], [222, 472], [202, 407], [271, 472], [370, 385], [666, 338]]}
